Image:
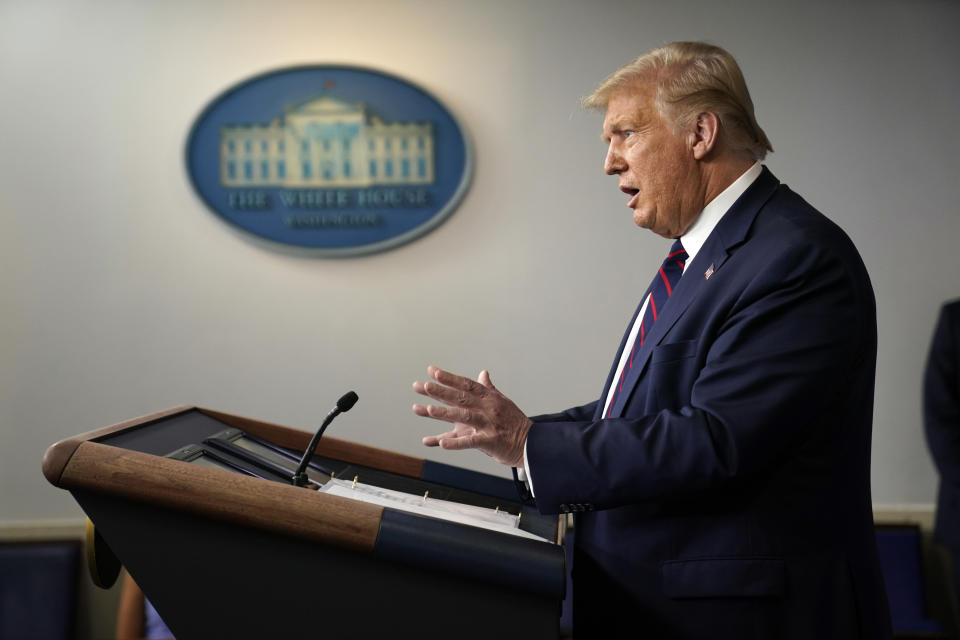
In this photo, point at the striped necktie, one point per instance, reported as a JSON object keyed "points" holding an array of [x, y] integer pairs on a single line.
{"points": [[660, 291]]}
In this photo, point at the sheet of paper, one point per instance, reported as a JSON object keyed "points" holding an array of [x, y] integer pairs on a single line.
{"points": [[444, 509]]}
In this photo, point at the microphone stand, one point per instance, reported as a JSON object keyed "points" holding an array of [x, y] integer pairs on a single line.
{"points": [[344, 404]]}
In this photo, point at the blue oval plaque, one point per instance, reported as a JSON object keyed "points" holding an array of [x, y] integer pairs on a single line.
{"points": [[340, 160]]}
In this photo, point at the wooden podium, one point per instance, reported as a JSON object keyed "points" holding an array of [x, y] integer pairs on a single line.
{"points": [[224, 554]]}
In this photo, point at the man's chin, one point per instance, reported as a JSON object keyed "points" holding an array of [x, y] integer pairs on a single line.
{"points": [[642, 220], [646, 221]]}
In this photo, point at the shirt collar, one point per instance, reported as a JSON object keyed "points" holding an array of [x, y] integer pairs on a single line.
{"points": [[698, 233]]}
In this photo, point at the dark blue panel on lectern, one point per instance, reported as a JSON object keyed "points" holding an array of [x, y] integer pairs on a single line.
{"points": [[468, 480], [518, 563], [162, 436]]}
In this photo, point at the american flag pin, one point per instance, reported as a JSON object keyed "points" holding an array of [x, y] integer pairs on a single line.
{"points": [[708, 272]]}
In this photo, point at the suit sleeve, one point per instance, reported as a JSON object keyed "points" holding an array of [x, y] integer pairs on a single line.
{"points": [[941, 395], [773, 368], [576, 414]]}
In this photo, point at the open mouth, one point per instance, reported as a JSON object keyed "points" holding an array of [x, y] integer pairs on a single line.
{"points": [[630, 191]]}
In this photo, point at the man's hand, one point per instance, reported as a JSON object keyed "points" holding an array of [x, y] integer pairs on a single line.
{"points": [[482, 417]]}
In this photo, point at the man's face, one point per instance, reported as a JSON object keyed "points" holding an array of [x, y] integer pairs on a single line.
{"points": [[655, 166]]}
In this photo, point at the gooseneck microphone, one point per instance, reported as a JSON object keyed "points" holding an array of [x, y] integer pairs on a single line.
{"points": [[345, 403]]}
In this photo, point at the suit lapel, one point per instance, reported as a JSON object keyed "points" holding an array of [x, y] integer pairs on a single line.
{"points": [[729, 233]]}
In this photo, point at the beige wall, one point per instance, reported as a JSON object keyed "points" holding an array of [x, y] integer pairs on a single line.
{"points": [[123, 295]]}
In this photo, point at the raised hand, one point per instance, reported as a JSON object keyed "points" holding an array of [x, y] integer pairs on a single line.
{"points": [[482, 417]]}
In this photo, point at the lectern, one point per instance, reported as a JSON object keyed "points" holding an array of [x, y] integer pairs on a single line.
{"points": [[198, 506]]}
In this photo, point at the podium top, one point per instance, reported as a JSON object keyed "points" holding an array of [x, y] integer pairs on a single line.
{"points": [[126, 461]]}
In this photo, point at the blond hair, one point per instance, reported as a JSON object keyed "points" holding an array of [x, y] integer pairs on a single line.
{"points": [[690, 78]]}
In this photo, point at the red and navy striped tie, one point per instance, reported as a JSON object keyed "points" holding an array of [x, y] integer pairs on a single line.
{"points": [[660, 291]]}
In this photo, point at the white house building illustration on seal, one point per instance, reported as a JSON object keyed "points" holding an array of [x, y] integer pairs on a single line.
{"points": [[326, 142]]}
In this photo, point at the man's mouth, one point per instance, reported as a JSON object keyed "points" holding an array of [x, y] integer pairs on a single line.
{"points": [[633, 193]]}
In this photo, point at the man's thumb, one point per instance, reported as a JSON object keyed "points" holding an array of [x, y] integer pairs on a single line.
{"points": [[484, 379]]}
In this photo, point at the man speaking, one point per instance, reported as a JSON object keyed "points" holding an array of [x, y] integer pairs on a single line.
{"points": [[721, 482]]}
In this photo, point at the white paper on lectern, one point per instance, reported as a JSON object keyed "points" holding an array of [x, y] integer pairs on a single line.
{"points": [[444, 509]]}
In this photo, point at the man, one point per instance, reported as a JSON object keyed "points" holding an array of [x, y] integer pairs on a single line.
{"points": [[721, 480], [941, 419]]}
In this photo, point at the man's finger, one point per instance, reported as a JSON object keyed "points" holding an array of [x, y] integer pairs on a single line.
{"points": [[420, 410], [431, 411], [459, 443], [453, 380], [448, 395], [441, 392], [449, 414], [434, 441]]}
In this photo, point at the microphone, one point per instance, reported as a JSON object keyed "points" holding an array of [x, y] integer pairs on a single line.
{"points": [[345, 403]]}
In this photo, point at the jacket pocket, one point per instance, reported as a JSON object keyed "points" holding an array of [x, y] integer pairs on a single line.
{"points": [[743, 577], [673, 351]]}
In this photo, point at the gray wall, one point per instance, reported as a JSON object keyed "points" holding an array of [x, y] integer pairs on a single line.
{"points": [[123, 295]]}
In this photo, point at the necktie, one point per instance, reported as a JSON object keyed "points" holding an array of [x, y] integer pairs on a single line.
{"points": [[660, 291]]}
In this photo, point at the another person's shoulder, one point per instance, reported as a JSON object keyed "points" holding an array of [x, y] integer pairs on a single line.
{"points": [[948, 323], [951, 310]]}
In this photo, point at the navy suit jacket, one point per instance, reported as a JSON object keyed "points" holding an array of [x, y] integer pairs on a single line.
{"points": [[728, 495], [941, 419]]}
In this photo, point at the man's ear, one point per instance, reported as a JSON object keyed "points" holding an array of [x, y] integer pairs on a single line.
{"points": [[705, 134]]}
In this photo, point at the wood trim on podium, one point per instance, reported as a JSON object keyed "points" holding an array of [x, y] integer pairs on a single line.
{"points": [[58, 454], [79, 463], [242, 500]]}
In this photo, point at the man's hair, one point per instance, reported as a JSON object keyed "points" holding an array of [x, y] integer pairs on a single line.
{"points": [[690, 78]]}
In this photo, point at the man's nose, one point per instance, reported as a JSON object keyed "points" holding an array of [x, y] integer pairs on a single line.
{"points": [[613, 163]]}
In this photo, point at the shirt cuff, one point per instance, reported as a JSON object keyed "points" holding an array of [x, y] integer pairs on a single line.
{"points": [[524, 473]]}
